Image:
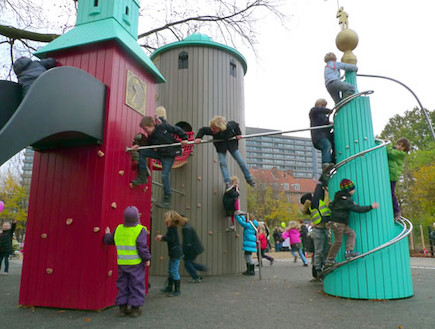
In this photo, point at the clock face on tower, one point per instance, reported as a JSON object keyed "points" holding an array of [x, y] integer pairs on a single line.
{"points": [[135, 93]]}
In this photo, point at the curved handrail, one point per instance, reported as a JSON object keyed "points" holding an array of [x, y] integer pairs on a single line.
{"points": [[405, 232], [356, 155], [346, 100]]}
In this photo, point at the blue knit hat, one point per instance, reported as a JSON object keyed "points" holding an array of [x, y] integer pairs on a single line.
{"points": [[347, 185], [131, 215]]}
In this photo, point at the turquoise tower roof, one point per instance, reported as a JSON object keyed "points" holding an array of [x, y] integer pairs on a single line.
{"points": [[203, 40], [102, 20]]}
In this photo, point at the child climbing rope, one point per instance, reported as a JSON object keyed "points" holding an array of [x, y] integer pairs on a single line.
{"points": [[175, 252], [157, 135], [396, 157], [322, 139], [231, 202], [341, 207], [130, 240], [333, 82], [222, 130], [249, 240]]}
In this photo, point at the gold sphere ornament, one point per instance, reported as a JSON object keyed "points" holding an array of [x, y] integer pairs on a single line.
{"points": [[346, 41]]}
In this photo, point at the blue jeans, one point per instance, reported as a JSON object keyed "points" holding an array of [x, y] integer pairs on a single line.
{"points": [[167, 163], [324, 145], [278, 246], [301, 254], [238, 157], [192, 267], [6, 258], [174, 264]]}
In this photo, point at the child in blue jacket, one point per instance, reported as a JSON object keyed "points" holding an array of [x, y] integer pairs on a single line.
{"points": [[249, 241]]}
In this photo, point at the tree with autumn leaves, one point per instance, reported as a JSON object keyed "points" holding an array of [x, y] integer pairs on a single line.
{"points": [[15, 198]]}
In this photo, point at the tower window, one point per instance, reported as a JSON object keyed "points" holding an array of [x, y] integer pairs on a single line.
{"points": [[183, 59], [233, 68], [126, 11], [95, 3]]}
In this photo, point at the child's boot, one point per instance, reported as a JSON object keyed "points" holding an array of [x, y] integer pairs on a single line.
{"points": [[351, 254], [165, 203], [247, 270], [123, 310], [135, 311], [142, 178], [176, 291], [168, 288], [251, 269]]}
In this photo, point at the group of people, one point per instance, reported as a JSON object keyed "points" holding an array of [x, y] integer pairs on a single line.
{"points": [[157, 131], [133, 256]]}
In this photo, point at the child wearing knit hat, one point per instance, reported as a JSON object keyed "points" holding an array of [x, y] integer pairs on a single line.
{"points": [[130, 240], [340, 213]]}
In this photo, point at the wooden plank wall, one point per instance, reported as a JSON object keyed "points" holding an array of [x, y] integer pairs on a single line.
{"points": [[195, 95]]}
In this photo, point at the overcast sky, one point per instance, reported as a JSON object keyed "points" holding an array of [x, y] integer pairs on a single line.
{"points": [[395, 40]]}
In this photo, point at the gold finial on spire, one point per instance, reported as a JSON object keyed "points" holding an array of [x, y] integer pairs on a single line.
{"points": [[342, 18], [346, 39]]}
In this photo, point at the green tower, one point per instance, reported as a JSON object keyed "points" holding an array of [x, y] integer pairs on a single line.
{"points": [[385, 273]]}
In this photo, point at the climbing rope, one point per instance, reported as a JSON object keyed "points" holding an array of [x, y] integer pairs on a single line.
{"points": [[407, 229], [277, 132]]}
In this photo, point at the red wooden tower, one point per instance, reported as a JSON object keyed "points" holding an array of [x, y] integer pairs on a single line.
{"points": [[77, 192]]}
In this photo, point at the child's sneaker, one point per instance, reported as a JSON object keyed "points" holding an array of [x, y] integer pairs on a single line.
{"points": [[326, 167], [230, 229], [397, 216], [305, 265], [271, 261], [351, 254], [329, 263], [252, 183], [296, 259], [197, 280]]}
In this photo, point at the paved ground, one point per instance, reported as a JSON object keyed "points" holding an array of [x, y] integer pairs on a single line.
{"points": [[283, 299]]}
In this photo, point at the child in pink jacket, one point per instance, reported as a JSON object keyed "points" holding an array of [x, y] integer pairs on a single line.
{"points": [[293, 232]]}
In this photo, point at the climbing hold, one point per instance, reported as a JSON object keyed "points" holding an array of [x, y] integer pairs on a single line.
{"points": [[131, 185], [183, 186], [339, 153], [356, 141], [145, 188], [365, 138], [100, 153], [49, 270], [44, 235], [347, 146], [69, 221], [224, 251], [214, 191], [236, 235], [113, 205], [210, 232], [215, 161], [121, 172], [162, 258], [110, 273], [199, 178], [96, 229], [187, 207], [198, 205]]}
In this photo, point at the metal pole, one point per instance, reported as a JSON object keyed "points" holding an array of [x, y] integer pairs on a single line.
{"points": [[409, 89], [277, 132]]}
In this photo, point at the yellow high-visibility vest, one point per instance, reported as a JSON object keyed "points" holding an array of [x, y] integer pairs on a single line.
{"points": [[318, 214], [125, 242]]}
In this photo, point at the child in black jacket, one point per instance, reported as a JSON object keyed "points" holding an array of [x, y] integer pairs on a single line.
{"points": [[228, 134], [172, 221], [157, 135], [6, 244], [340, 213]]}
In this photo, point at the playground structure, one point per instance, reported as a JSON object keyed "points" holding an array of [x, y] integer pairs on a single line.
{"points": [[77, 191]]}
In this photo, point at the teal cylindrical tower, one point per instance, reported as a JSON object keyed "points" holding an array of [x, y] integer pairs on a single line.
{"points": [[385, 274]]}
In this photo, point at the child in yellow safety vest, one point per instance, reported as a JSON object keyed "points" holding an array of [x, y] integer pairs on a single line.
{"points": [[133, 255], [316, 206]]}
